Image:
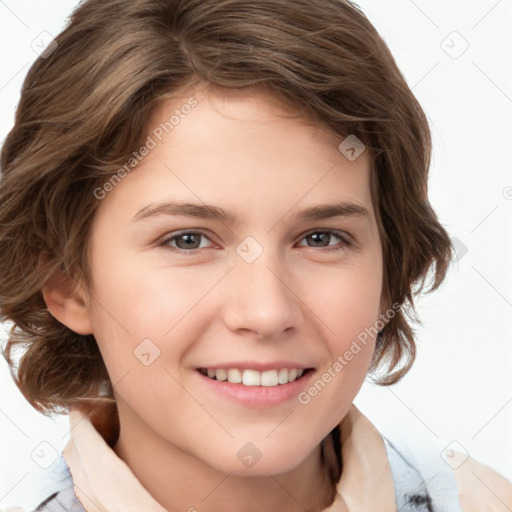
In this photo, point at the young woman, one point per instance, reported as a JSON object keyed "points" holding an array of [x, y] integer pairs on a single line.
{"points": [[213, 221]]}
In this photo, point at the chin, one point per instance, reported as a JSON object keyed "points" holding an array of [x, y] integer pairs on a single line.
{"points": [[259, 458]]}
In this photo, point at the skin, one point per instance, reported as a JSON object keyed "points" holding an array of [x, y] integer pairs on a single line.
{"points": [[299, 300]]}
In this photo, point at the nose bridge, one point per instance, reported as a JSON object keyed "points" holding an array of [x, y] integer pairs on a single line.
{"points": [[261, 298]]}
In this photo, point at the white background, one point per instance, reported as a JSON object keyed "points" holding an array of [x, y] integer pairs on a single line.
{"points": [[460, 388]]}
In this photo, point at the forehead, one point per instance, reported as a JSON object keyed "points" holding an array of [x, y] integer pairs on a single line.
{"points": [[244, 149], [241, 113]]}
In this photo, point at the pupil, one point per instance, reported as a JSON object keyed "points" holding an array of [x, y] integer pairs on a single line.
{"points": [[189, 238], [320, 237]]}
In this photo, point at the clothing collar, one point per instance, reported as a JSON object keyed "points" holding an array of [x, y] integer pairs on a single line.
{"points": [[103, 481]]}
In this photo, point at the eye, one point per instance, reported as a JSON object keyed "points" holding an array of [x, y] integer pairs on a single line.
{"points": [[186, 241], [323, 238], [189, 242]]}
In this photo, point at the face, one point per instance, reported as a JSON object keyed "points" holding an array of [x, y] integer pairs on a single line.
{"points": [[215, 257]]}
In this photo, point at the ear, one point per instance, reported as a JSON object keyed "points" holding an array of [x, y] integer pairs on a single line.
{"points": [[67, 306]]}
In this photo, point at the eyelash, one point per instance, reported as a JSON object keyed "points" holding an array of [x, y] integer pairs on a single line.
{"points": [[165, 242]]}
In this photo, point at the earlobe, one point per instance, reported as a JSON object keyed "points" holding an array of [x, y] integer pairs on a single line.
{"points": [[68, 307]]}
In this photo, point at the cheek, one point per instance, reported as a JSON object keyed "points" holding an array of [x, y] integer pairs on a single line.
{"points": [[349, 307], [347, 302], [142, 298], [135, 302]]}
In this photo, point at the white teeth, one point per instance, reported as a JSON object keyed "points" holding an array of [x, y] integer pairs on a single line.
{"points": [[251, 378], [221, 375], [283, 376], [268, 378], [234, 376]]}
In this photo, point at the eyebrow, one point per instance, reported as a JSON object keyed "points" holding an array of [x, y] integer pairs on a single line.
{"points": [[207, 211]]}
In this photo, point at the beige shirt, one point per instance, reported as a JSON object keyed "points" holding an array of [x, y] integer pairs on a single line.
{"points": [[103, 481]]}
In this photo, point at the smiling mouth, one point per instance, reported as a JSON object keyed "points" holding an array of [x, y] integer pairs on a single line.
{"points": [[249, 377]]}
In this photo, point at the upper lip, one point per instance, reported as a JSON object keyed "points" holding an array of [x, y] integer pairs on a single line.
{"points": [[257, 365]]}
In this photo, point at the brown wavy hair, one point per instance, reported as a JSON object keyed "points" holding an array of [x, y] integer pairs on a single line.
{"points": [[84, 106]]}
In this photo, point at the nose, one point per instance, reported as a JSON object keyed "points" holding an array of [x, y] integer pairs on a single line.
{"points": [[260, 298]]}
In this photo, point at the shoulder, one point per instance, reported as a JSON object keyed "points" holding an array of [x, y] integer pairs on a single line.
{"points": [[421, 477], [55, 492], [59, 490], [453, 481], [480, 487], [61, 501]]}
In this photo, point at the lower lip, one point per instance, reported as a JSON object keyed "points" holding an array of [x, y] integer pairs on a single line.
{"points": [[258, 396]]}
